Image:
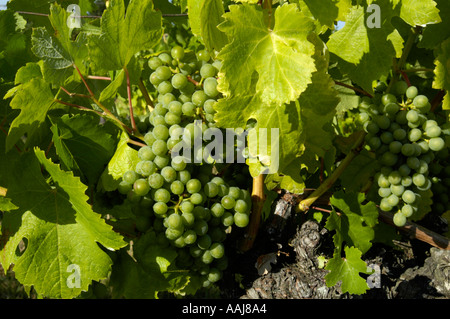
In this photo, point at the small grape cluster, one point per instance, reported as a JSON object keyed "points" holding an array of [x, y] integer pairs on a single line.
{"points": [[185, 205], [406, 139]]}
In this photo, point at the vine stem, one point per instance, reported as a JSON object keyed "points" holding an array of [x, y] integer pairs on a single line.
{"points": [[130, 104], [258, 199], [353, 88], [147, 97], [305, 204]]}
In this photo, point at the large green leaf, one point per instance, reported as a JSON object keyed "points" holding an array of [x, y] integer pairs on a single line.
{"points": [[421, 12], [124, 35], [204, 17], [442, 72], [347, 269], [434, 34], [279, 54], [61, 232], [365, 53], [83, 145], [34, 99]]}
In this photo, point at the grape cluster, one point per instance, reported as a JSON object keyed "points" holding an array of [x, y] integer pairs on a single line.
{"points": [[406, 139], [183, 204]]}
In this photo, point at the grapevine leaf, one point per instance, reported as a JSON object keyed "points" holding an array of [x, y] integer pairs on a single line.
{"points": [[434, 34], [360, 170], [365, 53], [347, 270], [442, 72], [419, 12], [60, 230], [355, 223], [325, 11], [280, 56], [34, 99], [204, 17], [122, 36], [125, 158], [83, 145]]}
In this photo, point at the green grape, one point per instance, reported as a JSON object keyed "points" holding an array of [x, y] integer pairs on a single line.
{"points": [[412, 116], [163, 73], [169, 174], [214, 275], [383, 181], [241, 206], [384, 191], [400, 87], [200, 227], [175, 107], [399, 219], [228, 202], [433, 131], [174, 221], [414, 134], [193, 186], [406, 181], [419, 179], [404, 170], [407, 210], [172, 118], [186, 206], [199, 97], [147, 168], [241, 219], [395, 147], [196, 198], [391, 108], [161, 195], [227, 219], [174, 233], [397, 190], [124, 187], [165, 87], [428, 124], [130, 177], [177, 187], [207, 70], [188, 109], [167, 98], [386, 137], [159, 147], [384, 205], [413, 163], [162, 161], [203, 55], [211, 189], [420, 101], [408, 149], [210, 87], [177, 52], [165, 58], [154, 79], [383, 122], [393, 200], [206, 257], [141, 187], [204, 242], [154, 63], [179, 81], [399, 134], [374, 142], [412, 92], [156, 181], [217, 210], [409, 196], [395, 177], [208, 106], [436, 144], [388, 98], [371, 127], [184, 176], [217, 250], [190, 237], [389, 159]]}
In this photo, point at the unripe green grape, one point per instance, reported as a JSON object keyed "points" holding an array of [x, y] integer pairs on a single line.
{"points": [[207, 70], [188, 109], [391, 108], [165, 58], [199, 97], [203, 55], [397, 190], [211, 189], [154, 63], [204, 242], [407, 210], [179, 81], [130, 177], [433, 131], [393, 200], [386, 137], [193, 186], [241, 219], [428, 124], [159, 147], [420, 101], [174, 233], [172, 118], [217, 250], [227, 219], [210, 87], [414, 134], [196, 198], [400, 118], [408, 149], [395, 147], [167, 98], [206, 257], [160, 208], [399, 88], [412, 92], [404, 170], [412, 116], [436, 144], [399, 134], [395, 178], [228, 202], [388, 98], [190, 237], [409, 196], [399, 219], [163, 73], [175, 107], [156, 181], [169, 174], [165, 87], [160, 132], [406, 181], [154, 79], [177, 52], [413, 163], [141, 187], [177, 187], [384, 205], [241, 206], [374, 142], [383, 181], [124, 187], [200, 227], [384, 191], [161, 195], [217, 210], [383, 122], [162, 161], [389, 159], [174, 221]]}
